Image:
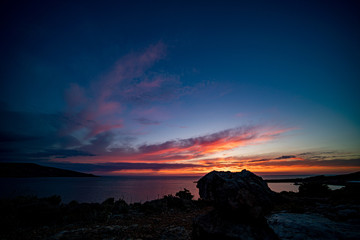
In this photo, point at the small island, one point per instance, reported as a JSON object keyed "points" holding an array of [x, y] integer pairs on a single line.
{"points": [[342, 179], [25, 170]]}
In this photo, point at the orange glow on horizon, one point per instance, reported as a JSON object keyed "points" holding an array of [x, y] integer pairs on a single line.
{"points": [[200, 155], [200, 171], [178, 152]]}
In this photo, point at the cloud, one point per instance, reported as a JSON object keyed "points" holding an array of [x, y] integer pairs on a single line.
{"points": [[326, 155], [176, 150], [93, 124], [99, 107], [37, 140], [312, 163], [199, 146], [24, 135], [93, 128], [113, 167], [60, 153], [285, 157], [287, 163], [159, 88]]}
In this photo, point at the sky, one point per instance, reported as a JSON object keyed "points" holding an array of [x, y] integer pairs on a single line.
{"points": [[181, 87]]}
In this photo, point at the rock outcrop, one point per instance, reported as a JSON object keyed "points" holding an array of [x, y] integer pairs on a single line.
{"points": [[310, 226], [241, 200], [242, 193]]}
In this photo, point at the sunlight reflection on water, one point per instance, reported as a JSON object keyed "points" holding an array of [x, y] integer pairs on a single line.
{"points": [[278, 187]]}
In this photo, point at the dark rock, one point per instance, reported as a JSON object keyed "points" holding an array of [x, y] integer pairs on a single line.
{"points": [[96, 232], [84, 212], [214, 226], [241, 200], [175, 233], [109, 201], [29, 211], [120, 206], [241, 193], [311, 226], [166, 203]]}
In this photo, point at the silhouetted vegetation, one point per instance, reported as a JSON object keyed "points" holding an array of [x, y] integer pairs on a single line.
{"points": [[314, 189], [20, 214], [185, 194]]}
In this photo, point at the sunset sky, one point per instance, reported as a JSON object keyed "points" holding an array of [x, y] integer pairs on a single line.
{"points": [[181, 87]]}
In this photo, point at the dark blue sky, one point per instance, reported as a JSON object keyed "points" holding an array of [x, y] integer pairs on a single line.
{"points": [[213, 84]]}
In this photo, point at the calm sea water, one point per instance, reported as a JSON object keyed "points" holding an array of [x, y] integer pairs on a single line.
{"points": [[131, 189]]}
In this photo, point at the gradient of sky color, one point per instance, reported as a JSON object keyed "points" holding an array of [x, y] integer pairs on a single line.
{"points": [[181, 87]]}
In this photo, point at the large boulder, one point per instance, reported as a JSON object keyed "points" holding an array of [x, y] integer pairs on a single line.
{"points": [[241, 193]]}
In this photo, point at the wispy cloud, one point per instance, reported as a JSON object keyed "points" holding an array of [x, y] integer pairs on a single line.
{"points": [[313, 162], [179, 149], [23, 134], [209, 144], [92, 132], [100, 107], [107, 168], [180, 156], [59, 153]]}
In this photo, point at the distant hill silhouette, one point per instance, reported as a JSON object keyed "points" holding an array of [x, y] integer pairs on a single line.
{"points": [[336, 179], [35, 170]]}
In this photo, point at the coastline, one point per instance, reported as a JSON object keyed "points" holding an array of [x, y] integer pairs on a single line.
{"points": [[169, 217], [315, 209]]}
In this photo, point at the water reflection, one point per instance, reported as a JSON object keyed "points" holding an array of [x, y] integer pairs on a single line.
{"points": [[279, 187], [290, 187], [98, 189]]}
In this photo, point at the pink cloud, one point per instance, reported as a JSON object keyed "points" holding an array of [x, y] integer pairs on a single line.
{"points": [[152, 113], [150, 84], [99, 108], [182, 149], [108, 108]]}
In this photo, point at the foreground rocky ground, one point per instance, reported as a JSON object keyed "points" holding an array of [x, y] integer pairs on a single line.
{"points": [[46, 218], [236, 206]]}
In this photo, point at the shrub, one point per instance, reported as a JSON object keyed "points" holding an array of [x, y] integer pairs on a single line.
{"points": [[184, 194], [53, 200], [314, 189], [109, 201]]}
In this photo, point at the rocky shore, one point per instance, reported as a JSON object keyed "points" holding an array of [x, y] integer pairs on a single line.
{"points": [[232, 206]]}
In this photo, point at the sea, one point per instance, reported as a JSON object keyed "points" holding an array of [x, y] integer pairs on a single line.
{"points": [[97, 189]]}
